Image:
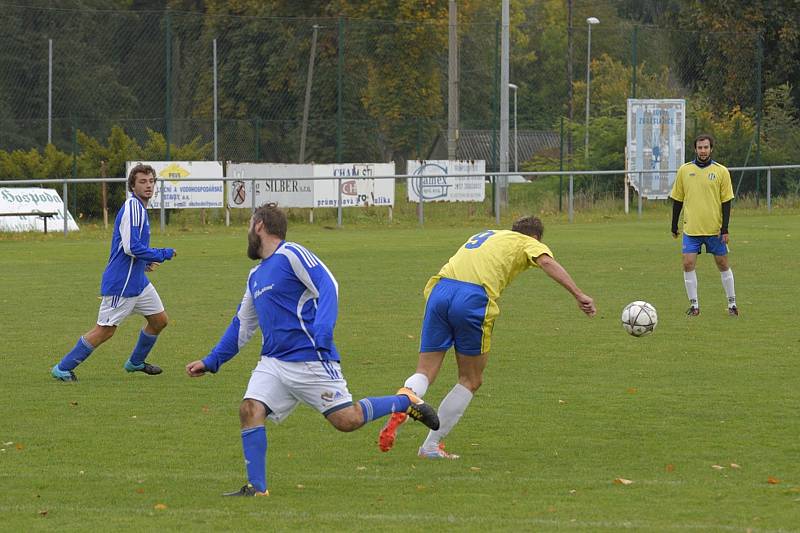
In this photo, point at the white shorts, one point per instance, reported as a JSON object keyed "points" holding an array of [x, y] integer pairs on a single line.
{"points": [[115, 309], [281, 385]]}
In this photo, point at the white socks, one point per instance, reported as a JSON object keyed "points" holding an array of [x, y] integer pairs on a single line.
{"points": [[690, 280], [727, 283], [418, 383], [450, 411]]}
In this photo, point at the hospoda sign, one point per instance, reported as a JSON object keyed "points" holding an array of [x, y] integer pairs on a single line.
{"points": [[433, 185], [273, 183], [185, 194], [357, 185], [32, 200], [656, 140]]}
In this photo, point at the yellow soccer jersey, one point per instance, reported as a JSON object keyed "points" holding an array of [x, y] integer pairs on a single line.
{"points": [[492, 259], [702, 191]]}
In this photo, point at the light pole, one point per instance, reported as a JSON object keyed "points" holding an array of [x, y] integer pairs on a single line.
{"points": [[516, 153], [591, 21]]}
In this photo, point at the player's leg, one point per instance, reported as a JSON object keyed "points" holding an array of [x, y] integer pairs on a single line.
{"points": [[266, 396], [473, 316], [113, 310], [726, 275], [148, 304], [691, 247], [453, 406], [436, 338]]}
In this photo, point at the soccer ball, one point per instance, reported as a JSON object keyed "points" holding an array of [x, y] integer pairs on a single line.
{"points": [[639, 318]]}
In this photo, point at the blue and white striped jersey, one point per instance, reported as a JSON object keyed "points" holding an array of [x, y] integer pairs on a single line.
{"points": [[131, 252], [293, 298]]}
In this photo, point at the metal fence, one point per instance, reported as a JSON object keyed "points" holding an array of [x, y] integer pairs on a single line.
{"points": [[490, 176], [245, 88]]}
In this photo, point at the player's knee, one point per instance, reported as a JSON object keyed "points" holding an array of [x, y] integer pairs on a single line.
{"points": [[472, 383], [159, 322], [348, 419], [251, 412]]}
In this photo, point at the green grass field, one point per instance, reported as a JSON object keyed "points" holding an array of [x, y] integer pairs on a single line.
{"points": [[702, 416]]}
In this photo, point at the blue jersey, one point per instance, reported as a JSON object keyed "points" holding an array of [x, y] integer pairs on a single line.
{"points": [[131, 252], [293, 298]]}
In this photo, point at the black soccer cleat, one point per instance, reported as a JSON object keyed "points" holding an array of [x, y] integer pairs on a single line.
{"points": [[247, 490], [419, 410], [147, 368], [693, 311], [733, 311]]}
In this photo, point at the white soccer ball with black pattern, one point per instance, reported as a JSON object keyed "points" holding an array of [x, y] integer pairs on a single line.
{"points": [[639, 318]]}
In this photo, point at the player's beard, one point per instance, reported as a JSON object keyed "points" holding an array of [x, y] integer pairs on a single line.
{"points": [[253, 245]]}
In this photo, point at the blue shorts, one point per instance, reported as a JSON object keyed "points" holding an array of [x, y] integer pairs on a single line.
{"points": [[714, 244], [458, 313]]}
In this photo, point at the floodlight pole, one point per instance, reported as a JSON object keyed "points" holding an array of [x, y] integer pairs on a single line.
{"points": [[591, 21]]}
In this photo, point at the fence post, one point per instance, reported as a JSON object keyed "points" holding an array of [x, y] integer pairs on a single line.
{"points": [[634, 59], [769, 190], [759, 59], [571, 208], [167, 86], [339, 202], [561, 164], [65, 194], [639, 180]]}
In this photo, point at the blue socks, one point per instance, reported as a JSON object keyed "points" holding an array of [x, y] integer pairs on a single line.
{"points": [[384, 405], [76, 356], [142, 348], [254, 445]]}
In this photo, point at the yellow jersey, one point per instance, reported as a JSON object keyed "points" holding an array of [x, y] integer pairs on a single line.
{"points": [[492, 259], [702, 191]]}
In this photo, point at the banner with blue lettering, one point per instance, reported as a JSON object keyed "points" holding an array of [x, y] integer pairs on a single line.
{"points": [[185, 194], [433, 186], [656, 140]]}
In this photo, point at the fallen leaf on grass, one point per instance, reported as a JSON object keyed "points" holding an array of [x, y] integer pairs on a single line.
{"points": [[420, 487], [561, 402], [670, 467], [632, 390], [159, 507], [19, 446], [734, 465], [622, 481], [475, 468], [140, 491], [43, 512], [301, 486], [361, 468], [73, 404], [718, 467], [9, 443], [773, 480], [205, 408]]}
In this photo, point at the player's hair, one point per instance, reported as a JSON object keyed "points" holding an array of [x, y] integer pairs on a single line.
{"points": [[704, 137], [273, 218], [530, 226], [141, 168]]}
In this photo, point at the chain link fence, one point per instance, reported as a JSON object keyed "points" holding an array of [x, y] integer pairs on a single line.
{"points": [[363, 90]]}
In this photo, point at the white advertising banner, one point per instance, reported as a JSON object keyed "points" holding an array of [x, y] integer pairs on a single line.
{"points": [[185, 194], [32, 200], [656, 140], [433, 186], [358, 189], [273, 183]]}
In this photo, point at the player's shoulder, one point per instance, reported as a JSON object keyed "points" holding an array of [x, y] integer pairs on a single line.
{"points": [[718, 166], [297, 252], [687, 165]]}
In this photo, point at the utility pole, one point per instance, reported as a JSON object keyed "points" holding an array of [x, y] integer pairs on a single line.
{"points": [[452, 82]]}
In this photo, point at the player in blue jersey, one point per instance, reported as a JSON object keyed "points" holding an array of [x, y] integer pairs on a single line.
{"points": [[125, 288], [293, 298], [703, 191], [460, 311]]}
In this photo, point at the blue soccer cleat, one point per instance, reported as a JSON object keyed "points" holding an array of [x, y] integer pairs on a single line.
{"points": [[63, 375]]}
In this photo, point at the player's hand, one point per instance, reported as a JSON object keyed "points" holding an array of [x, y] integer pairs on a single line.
{"points": [[196, 369], [586, 304], [150, 267], [724, 238], [675, 233]]}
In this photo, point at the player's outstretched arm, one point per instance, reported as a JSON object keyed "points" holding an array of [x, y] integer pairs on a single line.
{"points": [[554, 269], [196, 369]]}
